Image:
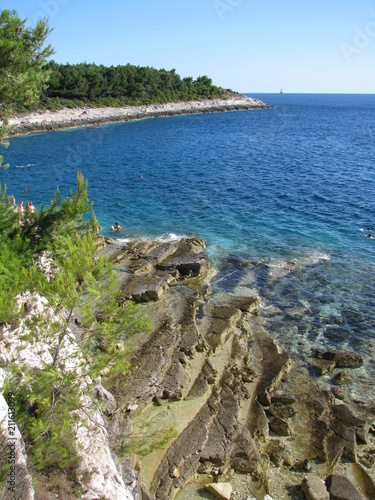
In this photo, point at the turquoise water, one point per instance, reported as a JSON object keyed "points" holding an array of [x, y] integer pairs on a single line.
{"points": [[278, 194]]}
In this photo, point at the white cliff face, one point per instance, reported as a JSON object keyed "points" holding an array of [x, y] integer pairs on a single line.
{"points": [[98, 473], [97, 461], [18, 483]]}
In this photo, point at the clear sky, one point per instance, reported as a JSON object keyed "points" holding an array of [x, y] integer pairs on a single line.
{"points": [[247, 45]]}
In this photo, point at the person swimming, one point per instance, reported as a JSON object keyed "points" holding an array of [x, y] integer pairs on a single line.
{"points": [[116, 227]]}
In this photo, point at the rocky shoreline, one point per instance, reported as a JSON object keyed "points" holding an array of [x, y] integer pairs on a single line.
{"points": [[212, 407], [92, 117], [248, 420]]}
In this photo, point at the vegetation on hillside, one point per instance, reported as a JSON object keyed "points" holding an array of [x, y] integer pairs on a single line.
{"points": [[89, 84], [51, 254], [49, 264]]}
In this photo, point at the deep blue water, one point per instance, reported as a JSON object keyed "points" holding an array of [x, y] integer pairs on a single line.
{"points": [[278, 194]]}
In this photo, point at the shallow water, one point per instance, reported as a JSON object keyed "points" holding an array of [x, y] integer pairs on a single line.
{"points": [[278, 194]]}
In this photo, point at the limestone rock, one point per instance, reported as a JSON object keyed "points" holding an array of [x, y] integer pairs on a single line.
{"points": [[145, 288], [18, 477], [340, 488], [175, 379], [339, 392], [222, 491], [103, 395], [278, 453], [342, 378], [258, 422], [283, 397], [323, 366], [280, 426], [204, 380], [314, 488], [275, 367], [280, 410], [342, 359], [223, 321], [302, 465], [187, 259], [249, 304]]}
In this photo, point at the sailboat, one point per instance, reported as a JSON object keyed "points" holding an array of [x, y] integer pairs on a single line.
{"points": [[281, 91]]}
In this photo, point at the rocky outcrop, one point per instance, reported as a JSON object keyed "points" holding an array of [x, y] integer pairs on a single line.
{"points": [[239, 405], [67, 118], [212, 399]]}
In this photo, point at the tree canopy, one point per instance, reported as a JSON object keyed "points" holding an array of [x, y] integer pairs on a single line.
{"points": [[93, 84]]}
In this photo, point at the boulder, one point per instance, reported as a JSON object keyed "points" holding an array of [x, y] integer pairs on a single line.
{"points": [[222, 491], [342, 378], [340, 488], [323, 366], [280, 410], [339, 392], [275, 367], [283, 397], [314, 488], [342, 359], [302, 465], [145, 288], [280, 426], [257, 421]]}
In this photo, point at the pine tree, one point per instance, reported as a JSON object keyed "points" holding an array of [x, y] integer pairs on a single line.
{"points": [[78, 284], [22, 60]]}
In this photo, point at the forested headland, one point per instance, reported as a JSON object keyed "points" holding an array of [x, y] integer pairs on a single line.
{"points": [[76, 85]]}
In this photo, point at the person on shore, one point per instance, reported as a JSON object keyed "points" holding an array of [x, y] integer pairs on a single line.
{"points": [[30, 208], [21, 208]]}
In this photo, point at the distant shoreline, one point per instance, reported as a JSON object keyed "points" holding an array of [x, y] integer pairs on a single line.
{"points": [[77, 117]]}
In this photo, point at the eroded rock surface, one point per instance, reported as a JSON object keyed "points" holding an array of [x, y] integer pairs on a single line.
{"points": [[240, 407]]}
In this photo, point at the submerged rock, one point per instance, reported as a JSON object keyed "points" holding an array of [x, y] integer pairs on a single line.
{"points": [[342, 359]]}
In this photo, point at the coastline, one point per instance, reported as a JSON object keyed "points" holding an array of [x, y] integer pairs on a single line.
{"points": [[77, 117]]}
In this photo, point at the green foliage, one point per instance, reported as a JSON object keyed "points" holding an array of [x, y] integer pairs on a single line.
{"points": [[121, 86], [22, 58], [80, 284]]}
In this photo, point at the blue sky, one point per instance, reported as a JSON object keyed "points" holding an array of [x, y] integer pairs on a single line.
{"points": [[247, 45]]}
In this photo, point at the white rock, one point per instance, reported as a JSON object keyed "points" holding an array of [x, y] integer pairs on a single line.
{"points": [[222, 491], [12, 442], [101, 477]]}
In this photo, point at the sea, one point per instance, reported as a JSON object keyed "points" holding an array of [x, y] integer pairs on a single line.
{"points": [[283, 197]]}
